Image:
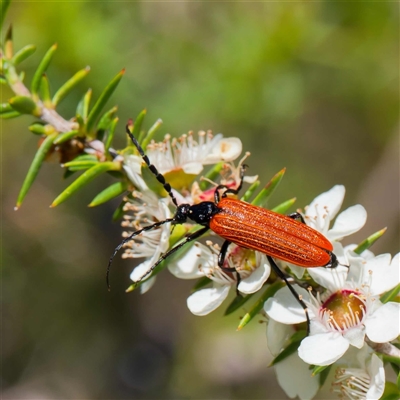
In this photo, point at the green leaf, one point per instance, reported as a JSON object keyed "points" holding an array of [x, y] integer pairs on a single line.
{"points": [[37, 128], [368, 242], [102, 100], [283, 207], [211, 175], [258, 305], [68, 173], [8, 46], [323, 375], [3, 11], [63, 137], [151, 132], [237, 302], [84, 179], [289, 350], [80, 165], [3, 80], [391, 391], [111, 133], [250, 191], [317, 369], [266, 193], [292, 347], [398, 380], [23, 54], [86, 157], [10, 114], [119, 211], [35, 166], [178, 233], [137, 126], [5, 108], [392, 359], [44, 91], [41, 69], [391, 294], [106, 119], [109, 193], [395, 368], [24, 105], [69, 85], [83, 106]]}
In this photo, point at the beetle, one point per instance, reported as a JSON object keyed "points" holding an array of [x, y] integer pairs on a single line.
{"points": [[286, 238]]}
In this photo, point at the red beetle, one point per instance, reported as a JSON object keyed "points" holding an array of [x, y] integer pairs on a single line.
{"points": [[276, 235]]}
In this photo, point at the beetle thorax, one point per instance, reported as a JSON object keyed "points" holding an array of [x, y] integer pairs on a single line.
{"points": [[200, 213]]}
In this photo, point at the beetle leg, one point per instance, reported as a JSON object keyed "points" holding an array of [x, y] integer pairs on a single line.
{"points": [[297, 217], [221, 259], [291, 288], [229, 190]]}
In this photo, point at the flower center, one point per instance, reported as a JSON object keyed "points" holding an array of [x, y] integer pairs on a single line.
{"points": [[344, 309], [243, 260], [351, 383]]}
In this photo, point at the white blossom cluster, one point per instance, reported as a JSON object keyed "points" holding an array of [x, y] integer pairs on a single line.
{"points": [[350, 321]]}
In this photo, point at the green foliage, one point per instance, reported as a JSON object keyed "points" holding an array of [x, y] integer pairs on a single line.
{"points": [[258, 305], [367, 243], [270, 187], [67, 137]]}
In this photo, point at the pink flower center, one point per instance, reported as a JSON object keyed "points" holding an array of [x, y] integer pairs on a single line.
{"points": [[344, 309]]}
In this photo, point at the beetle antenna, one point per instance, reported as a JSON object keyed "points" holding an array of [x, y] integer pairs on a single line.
{"points": [[127, 239], [152, 168]]}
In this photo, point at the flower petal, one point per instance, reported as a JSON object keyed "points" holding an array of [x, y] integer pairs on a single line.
{"points": [[284, 308], [254, 282], [277, 334], [132, 166], [329, 278], [385, 274], [192, 168], [376, 372], [384, 324], [140, 270], [327, 202], [355, 336], [207, 300], [323, 348], [298, 271], [348, 222], [227, 149], [191, 264], [147, 285], [295, 378]]}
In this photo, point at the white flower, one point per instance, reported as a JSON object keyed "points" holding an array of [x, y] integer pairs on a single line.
{"points": [[190, 156], [292, 373], [365, 380], [347, 311], [322, 210], [146, 210], [133, 167], [201, 260], [96, 148]]}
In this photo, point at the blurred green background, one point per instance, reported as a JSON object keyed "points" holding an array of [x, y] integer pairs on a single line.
{"points": [[313, 87]]}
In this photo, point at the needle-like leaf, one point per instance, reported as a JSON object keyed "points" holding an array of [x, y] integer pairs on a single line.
{"points": [[41, 69], [102, 100], [35, 167], [84, 179]]}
